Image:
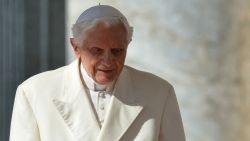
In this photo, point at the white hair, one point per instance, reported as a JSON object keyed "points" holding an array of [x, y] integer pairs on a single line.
{"points": [[78, 29]]}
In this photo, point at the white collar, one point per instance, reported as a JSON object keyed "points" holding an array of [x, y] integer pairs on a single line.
{"points": [[94, 86]]}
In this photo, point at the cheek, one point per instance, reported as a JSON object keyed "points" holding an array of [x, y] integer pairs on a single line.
{"points": [[120, 63], [89, 64]]}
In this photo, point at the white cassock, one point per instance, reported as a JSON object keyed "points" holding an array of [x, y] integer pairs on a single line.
{"points": [[55, 106]]}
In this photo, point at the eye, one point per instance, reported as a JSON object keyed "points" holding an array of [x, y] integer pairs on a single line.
{"points": [[117, 51], [96, 51]]}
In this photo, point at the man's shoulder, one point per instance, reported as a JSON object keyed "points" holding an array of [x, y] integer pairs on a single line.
{"points": [[45, 78], [55, 74], [147, 87], [146, 78]]}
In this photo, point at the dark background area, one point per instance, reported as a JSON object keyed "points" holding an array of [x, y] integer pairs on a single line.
{"points": [[32, 36]]}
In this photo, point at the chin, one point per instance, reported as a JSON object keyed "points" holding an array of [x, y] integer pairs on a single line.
{"points": [[104, 81]]}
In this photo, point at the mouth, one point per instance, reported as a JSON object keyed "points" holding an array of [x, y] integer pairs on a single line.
{"points": [[105, 70]]}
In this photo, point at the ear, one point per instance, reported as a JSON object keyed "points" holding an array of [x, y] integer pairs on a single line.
{"points": [[75, 47]]}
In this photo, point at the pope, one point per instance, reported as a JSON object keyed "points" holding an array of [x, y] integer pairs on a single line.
{"points": [[97, 97]]}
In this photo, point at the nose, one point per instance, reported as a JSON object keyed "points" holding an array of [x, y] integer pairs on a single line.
{"points": [[108, 59]]}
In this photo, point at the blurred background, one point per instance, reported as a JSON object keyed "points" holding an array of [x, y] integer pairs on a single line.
{"points": [[201, 47]]}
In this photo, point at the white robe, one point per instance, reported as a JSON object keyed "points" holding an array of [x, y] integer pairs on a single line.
{"points": [[53, 106]]}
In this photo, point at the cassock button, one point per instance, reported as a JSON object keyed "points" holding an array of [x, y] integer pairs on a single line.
{"points": [[102, 94], [102, 107]]}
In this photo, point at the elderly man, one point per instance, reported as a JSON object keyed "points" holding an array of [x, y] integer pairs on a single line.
{"points": [[97, 98]]}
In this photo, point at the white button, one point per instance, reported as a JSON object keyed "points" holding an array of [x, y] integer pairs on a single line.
{"points": [[102, 94], [102, 107]]}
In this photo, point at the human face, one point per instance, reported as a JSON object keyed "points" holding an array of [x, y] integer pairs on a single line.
{"points": [[103, 52]]}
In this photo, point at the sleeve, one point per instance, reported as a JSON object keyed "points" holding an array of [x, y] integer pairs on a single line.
{"points": [[23, 123], [171, 122]]}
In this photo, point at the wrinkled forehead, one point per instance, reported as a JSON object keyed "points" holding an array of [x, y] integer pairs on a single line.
{"points": [[99, 12]]}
